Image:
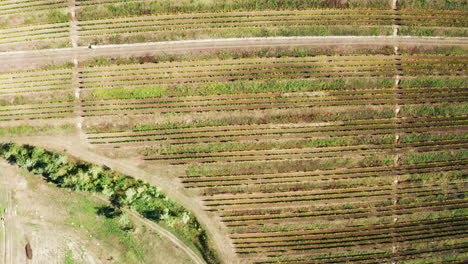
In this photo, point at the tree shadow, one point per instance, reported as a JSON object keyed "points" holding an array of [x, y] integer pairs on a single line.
{"points": [[108, 211]]}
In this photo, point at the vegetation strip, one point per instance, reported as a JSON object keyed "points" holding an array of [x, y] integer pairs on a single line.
{"points": [[122, 190]]}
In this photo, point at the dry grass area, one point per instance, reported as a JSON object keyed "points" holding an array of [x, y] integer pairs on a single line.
{"points": [[64, 227]]}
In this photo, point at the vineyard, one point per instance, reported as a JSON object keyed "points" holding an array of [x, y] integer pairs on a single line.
{"points": [[292, 154], [341, 151], [51, 24]]}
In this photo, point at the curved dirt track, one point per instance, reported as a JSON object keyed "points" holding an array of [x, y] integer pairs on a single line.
{"points": [[157, 228], [75, 147]]}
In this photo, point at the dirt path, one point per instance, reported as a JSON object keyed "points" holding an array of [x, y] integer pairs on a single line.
{"points": [[171, 237], [73, 146], [8, 219], [21, 60]]}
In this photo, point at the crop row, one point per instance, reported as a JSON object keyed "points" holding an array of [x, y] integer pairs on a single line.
{"points": [[337, 193], [326, 197], [307, 69], [392, 230], [276, 103], [267, 132], [225, 184], [344, 232], [60, 86], [350, 173], [402, 239], [247, 22], [12, 7], [347, 15], [228, 63], [377, 255], [312, 212], [303, 153], [53, 31], [206, 150], [101, 2]]}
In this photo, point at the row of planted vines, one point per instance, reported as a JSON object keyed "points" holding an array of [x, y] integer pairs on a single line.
{"points": [[49, 24], [272, 23], [305, 159]]}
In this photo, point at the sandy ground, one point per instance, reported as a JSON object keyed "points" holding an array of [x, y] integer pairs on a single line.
{"points": [[37, 213]]}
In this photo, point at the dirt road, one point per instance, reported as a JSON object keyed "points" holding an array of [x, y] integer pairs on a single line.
{"points": [[75, 147], [8, 218], [21, 60], [157, 228]]}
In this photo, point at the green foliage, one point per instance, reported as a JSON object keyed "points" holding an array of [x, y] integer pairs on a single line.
{"points": [[433, 4], [69, 257], [83, 212], [147, 200], [434, 82], [191, 6], [270, 52], [266, 145], [434, 157], [268, 167], [55, 16], [428, 137], [419, 31], [145, 92], [438, 177], [435, 110], [437, 50], [241, 87], [26, 130]]}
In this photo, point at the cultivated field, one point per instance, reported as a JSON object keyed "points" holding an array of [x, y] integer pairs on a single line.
{"points": [[312, 150], [58, 24], [290, 153]]}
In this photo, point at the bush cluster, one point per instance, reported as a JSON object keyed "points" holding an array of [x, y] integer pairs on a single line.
{"points": [[122, 190]]}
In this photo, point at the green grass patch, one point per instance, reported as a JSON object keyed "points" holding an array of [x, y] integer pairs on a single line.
{"points": [[192, 6], [458, 82], [69, 257], [433, 4], [434, 157], [122, 93], [445, 110], [51, 16], [26, 130], [438, 177], [431, 50], [83, 212], [429, 137], [268, 145], [287, 166], [240, 32], [432, 32], [38, 99], [241, 88]]}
